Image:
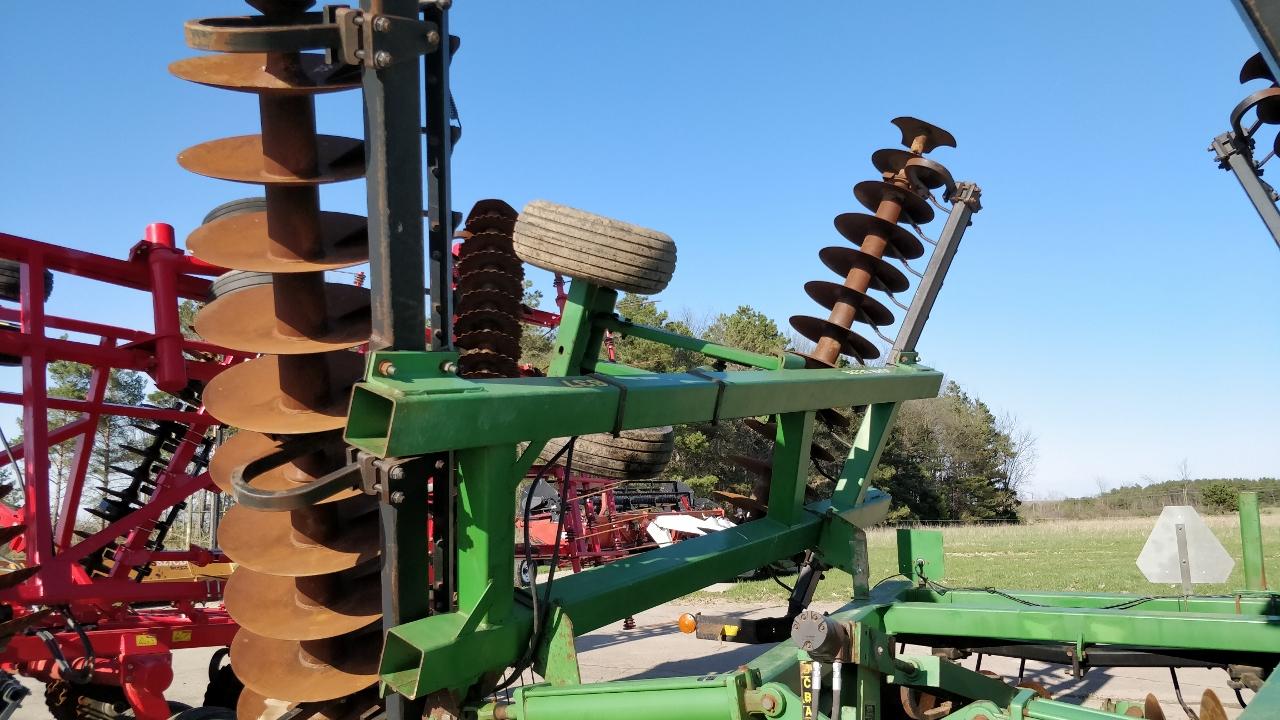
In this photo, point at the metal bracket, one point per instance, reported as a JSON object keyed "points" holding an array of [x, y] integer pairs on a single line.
{"points": [[378, 41]]}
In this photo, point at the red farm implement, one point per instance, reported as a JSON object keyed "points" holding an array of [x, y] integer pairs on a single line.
{"points": [[82, 609]]}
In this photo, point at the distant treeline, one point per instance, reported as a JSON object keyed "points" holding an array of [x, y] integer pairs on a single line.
{"points": [[1207, 495]]}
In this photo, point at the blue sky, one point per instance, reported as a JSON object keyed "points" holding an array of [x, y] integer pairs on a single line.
{"points": [[1117, 295]]}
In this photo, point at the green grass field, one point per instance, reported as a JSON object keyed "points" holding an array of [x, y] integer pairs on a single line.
{"points": [[1070, 555]]}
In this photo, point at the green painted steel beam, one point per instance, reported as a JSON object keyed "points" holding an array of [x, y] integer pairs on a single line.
{"points": [[1255, 570], [706, 347], [416, 411], [431, 654], [1201, 631], [1248, 604], [725, 697]]}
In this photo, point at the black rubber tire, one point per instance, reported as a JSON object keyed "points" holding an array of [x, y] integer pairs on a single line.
{"points": [[235, 207], [522, 575], [108, 701], [228, 283], [597, 249], [223, 690], [205, 713], [11, 281], [635, 455]]}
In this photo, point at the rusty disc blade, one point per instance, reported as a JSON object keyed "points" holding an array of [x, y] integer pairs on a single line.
{"points": [[249, 396], [492, 340], [833, 418], [884, 276], [491, 214], [494, 320], [360, 706], [252, 706], [247, 72], [307, 670], [891, 160], [1256, 68], [247, 320], [268, 543], [740, 501], [240, 159], [245, 447], [929, 173], [278, 607], [769, 430], [1151, 709], [935, 137], [472, 300], [827, 294], [484, 242], [495, 259], [1211, 707], [242, 242], [851, 343], [490, 280], [901, 242], [1037, 687], [871, 193], [753, 465], [487, 365]]}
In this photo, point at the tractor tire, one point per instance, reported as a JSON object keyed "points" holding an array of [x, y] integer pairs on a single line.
{"points": [[223, 690], [235, 207], [228, 283], [11, 281], [635, 455], [600, 250]]}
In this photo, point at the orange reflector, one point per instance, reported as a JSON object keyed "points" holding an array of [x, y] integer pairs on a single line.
{"points": [[688, 623]]}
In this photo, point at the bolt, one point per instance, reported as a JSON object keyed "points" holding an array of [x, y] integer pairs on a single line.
{"points": [[879, 651], [381, 59], [433, 39], [397, 472], [439, 465], [386, 368], [449, 368], [382, 24], [768, 703], [397, 497]]}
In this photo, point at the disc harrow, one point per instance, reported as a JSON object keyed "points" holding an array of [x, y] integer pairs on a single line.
{"points": [[307, 634], [489, 288], [902, 195]]}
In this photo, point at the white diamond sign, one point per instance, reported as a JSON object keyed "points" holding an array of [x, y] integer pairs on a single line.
{"points": [[1161, 559]]}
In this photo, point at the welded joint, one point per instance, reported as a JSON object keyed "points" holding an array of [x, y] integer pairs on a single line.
{"points": [[379, 40]]}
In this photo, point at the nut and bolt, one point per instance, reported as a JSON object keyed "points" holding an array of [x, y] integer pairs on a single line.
{"points": [[397, 497], [449, 368], [381, 59], [382, 24], [433, 38], [397, 472], [768, 703], [386, 368]]}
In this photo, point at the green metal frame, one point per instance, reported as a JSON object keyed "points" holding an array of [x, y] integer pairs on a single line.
{"points": [[412, 404]]}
